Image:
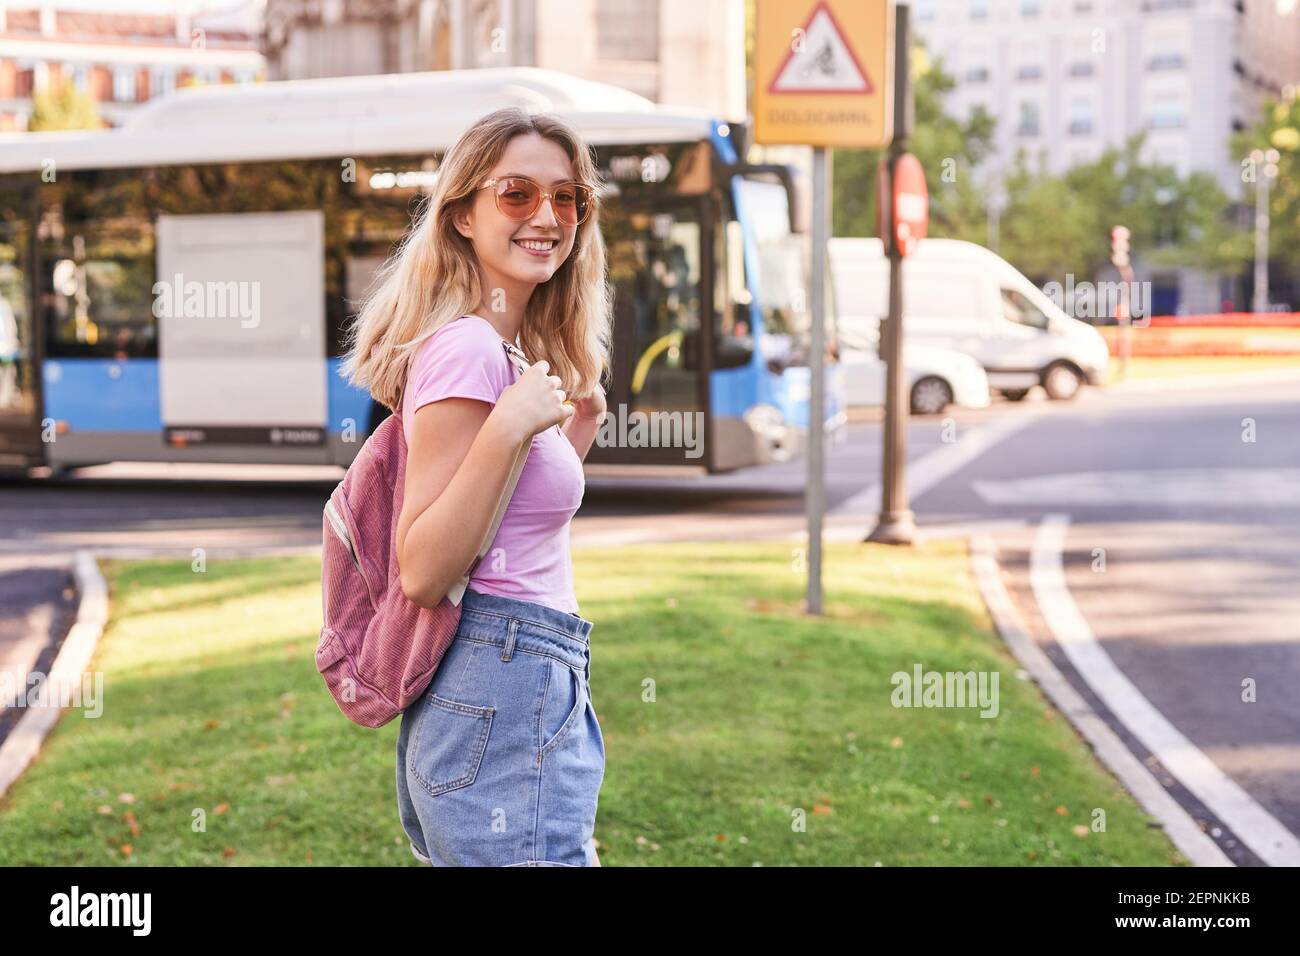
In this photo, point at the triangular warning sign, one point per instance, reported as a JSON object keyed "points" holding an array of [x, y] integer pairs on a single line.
{"points": [[821, 61]]}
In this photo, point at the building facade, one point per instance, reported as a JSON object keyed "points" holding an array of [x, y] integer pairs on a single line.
{"points": [[1068, 78], [120, 59], [676, 52]]}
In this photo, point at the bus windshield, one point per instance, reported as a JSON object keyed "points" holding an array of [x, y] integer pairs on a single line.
{"points": [[781, 281]]}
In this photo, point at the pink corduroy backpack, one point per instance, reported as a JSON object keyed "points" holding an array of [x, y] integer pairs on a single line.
{"points": [[378, 651]]}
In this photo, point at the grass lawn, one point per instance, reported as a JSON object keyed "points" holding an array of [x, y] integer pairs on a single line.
{"points": [[1191, 365], [737, 731]]}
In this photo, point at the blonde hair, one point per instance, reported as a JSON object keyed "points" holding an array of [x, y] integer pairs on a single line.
{"points": [[433, 278]]}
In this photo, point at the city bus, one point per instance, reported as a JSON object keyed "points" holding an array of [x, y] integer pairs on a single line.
{"points": [[178, 289]]}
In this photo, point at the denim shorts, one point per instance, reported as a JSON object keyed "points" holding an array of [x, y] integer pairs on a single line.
{"points": [[500, 761]]}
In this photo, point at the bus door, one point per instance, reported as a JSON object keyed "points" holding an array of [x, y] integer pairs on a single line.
{"points": [[660, 266], [241, 344], [20, 397]]}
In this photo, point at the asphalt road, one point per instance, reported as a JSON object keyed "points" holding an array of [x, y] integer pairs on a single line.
{"points": [[1172, 517]]}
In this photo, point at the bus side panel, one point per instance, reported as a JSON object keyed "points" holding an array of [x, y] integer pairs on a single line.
{"points": [[349, 415]]}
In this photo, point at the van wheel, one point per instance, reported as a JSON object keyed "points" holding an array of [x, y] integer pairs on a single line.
{"points": [[1061, 382], [930, 396], [1015, 394]]}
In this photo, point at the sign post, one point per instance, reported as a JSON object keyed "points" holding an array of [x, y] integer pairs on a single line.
{"points": [[1119, 257], [895, 524], [822, 80]]}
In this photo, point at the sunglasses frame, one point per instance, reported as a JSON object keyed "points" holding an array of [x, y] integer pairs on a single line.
{"points": [[543, 195]]}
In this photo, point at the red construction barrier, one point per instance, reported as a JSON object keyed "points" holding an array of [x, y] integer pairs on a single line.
{"points": [[1230, 319]]}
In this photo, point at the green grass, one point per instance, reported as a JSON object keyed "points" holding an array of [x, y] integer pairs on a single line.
{"points": [[738, 731]]}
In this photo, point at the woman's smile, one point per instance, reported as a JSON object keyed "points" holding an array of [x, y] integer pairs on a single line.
{"points": [[540, 248]]}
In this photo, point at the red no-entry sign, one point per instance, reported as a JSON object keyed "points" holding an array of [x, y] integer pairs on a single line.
{"points": [[911, 204]]}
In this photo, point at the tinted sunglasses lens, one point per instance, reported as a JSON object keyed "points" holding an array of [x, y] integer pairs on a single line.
{"points": [[572, 203], [517, 198]]}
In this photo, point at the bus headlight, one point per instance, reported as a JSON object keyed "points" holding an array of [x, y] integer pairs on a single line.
{"points": [[770, 428]]}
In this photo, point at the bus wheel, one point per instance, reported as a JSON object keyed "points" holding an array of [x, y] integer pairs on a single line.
{"points": [[930, 396], [1061, 382], [1015, 394]]}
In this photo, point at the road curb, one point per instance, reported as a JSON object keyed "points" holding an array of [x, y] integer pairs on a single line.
{"points": [[1193, 382], [24, 742], [1190, 840]]}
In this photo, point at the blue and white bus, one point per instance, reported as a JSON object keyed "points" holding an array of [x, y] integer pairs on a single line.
{"points": [[178, 289]]}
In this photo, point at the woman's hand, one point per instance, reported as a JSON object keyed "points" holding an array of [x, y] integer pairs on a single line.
{"points": [[592, 408], [533, 403]]}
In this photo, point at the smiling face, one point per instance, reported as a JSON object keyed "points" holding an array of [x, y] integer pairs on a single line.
{"points": [[516, 255]]}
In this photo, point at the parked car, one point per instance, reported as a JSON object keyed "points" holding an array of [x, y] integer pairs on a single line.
{"points": [[936, 377], [958, 295]]}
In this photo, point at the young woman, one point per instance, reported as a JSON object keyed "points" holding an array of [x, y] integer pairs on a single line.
{"points": [[501, 761]]}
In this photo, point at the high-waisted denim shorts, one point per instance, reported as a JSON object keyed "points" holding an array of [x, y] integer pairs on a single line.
{"points": [[500, 761]]}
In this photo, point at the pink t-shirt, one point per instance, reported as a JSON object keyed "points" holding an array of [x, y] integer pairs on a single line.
{"points": [[529, 558]]}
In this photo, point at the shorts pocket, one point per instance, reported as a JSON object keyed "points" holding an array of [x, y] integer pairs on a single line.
{"points": [[562, 705], [449, 744]]}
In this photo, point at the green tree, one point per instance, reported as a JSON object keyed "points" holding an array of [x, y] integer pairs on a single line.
{"points": [[1278, 128], [64, 107], [1054, 225], [948, 148]]}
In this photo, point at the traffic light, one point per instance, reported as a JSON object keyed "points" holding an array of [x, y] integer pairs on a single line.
{"points": [[1119, 237]]}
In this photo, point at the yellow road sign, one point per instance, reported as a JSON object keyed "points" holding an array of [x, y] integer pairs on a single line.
{"points": [[823, 72]]}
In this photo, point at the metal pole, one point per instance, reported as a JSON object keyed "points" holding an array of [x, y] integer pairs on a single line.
{"points": [[1260, 299], [814, 490], [895, 524]]}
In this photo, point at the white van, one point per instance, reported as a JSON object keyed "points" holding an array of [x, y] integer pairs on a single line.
{"points": [[961, 296]]}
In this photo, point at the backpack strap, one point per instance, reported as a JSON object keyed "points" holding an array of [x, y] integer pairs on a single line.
{"points": [[457, 590]]}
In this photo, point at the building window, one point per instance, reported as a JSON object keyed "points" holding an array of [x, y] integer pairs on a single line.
{"points": [[1080, 69], [164, 81], [1028, 125], [977, 74], [24, 79], [925, 10], [1080, 116], [124, 83], [78, 74], [627, 29], [979, 9], [1030, 8], [1166, 61], [1030, 71], [1167, 113]]}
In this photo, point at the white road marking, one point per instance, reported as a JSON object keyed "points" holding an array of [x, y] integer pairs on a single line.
{"points": [[1211, 487], [942, 462], [1263, 833], [1194, 843]]}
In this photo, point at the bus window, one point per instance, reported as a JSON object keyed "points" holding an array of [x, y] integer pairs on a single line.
{"points": [[733, 334], [16, 368], [97, 255], [654, 269], [780, 282]]}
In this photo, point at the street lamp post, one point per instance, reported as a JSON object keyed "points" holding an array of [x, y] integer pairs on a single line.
{"points": [[1265, 170]]}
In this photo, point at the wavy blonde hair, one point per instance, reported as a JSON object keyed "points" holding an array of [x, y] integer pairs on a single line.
{"points": [[433, 277]]}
